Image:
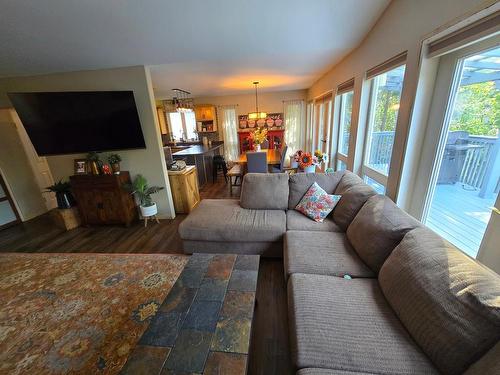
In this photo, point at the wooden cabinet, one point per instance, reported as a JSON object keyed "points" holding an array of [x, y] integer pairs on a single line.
{"points": [[184, 188], [272, 136], [206, 118], [102, 199]]}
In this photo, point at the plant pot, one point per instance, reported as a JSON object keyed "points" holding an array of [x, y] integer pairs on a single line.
{"points": [[293, 162], [149, 210], [65, 200], [115, 168], [257, 147], [310, 169]]}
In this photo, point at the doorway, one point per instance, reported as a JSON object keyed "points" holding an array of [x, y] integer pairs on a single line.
{"points": [[465, 186], [8, 212]]}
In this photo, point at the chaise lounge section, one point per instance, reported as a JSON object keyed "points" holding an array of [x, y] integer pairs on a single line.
{"points": [[370, 290]]}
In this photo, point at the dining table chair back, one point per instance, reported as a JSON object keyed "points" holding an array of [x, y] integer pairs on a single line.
{"points": [[265, 145], [281, 167], [257, 162]]}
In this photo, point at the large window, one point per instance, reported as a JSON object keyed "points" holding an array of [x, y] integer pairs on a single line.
{"points": [[385, 98], [182, 125], [345, 122]]}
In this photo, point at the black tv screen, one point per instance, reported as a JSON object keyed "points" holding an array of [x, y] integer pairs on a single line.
{"points": [[79, 122]]}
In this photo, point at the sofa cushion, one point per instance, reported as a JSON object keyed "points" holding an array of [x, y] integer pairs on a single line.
{"points": [[354, 194], [226, 220], [449, 303], [316, 203], [299, 183], [325, 371], [322, 253], [265, 191], [347, 325], [296, 221], [487, 364], [377, 229], [349, 180]]}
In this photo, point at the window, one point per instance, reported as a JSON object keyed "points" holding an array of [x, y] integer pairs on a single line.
{"points": [[294, 120], [341, 166], [379, 188], [385, 98], [182, 125], [345, 122], [229, 132]]}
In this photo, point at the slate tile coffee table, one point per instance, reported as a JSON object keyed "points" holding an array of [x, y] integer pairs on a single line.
{"points": [[204, 324]]}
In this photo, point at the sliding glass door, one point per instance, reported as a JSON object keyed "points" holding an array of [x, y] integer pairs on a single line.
{"points": [[467, 165], [385, 97]]}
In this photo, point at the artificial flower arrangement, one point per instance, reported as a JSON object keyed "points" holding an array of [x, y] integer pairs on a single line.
{"points": [[259, 135], [321, 157], [306, 160]]}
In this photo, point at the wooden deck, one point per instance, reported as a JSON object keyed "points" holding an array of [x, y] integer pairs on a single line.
{"points": [[460, 216]]}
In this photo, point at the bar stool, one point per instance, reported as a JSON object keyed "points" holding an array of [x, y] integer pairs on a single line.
{"points": [[219, 164]]}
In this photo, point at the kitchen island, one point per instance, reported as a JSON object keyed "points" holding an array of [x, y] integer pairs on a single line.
{"points": [[202, 157]]}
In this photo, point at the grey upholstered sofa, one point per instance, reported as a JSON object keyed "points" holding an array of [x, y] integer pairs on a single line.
{"points": [[370, 290]]}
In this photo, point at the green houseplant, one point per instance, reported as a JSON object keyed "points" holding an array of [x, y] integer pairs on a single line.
{"points": [[114, 160], [142, 191], [64, 198]]}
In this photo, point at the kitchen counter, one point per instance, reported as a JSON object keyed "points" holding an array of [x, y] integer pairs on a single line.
{"points": [[199, 149], [202, 157]]}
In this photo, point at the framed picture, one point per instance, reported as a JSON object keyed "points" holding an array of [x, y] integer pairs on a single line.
{"points": [[81, 166]]}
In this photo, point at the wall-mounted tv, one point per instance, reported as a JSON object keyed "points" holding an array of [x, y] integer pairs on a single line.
{"points": [[79, 122]]}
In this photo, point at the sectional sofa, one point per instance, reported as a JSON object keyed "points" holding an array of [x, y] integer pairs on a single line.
{"points": [[370, 290]]}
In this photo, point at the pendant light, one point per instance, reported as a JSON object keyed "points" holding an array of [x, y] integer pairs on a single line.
{"points": [[256, 115]]}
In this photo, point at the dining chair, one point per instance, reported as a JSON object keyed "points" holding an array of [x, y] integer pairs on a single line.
{"points": [[257, 162], [265, 145], [281, 167]]}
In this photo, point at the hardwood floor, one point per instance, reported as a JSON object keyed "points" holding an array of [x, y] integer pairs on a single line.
{"points": [[269, 352]]}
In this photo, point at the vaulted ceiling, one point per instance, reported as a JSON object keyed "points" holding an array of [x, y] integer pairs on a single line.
{"points": [[209, 47]]}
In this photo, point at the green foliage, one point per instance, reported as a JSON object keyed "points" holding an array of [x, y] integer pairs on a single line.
{"points": [[60, 187], [386, 110], [477, 109], [114, 159], [142, 191], [93, 156]]}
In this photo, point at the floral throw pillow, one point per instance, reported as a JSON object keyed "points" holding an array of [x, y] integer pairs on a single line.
{"points": [[316, 203]]}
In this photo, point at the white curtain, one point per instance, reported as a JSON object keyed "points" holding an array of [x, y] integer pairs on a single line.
{"points": [[229, 132], [294, 125]]}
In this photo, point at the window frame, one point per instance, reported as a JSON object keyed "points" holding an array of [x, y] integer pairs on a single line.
{"points": [[366, 170], [183, 125]]}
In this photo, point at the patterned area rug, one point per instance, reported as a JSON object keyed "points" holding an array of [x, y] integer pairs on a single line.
{"points": [[78, 313]]}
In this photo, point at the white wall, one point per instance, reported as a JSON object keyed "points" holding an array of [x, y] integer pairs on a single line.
{"points": [[150, 161], [270, 102], [16, 170]]}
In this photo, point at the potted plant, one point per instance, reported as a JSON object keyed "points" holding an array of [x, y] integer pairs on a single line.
{"points": [[143, 192], [63, 194], [259, 135], [114, 160]]}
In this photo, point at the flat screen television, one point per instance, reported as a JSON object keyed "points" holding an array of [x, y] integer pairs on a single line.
{"points": [[79, 122]]}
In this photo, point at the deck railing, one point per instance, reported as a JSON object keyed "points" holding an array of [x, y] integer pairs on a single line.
{"points": [[381, 149], [477, 160]]}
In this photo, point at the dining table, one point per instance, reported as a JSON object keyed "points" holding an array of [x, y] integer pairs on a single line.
{"points": [[273, 157]]}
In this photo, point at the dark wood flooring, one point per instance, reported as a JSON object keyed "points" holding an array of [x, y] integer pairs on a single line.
{"points": [[269, 352]]}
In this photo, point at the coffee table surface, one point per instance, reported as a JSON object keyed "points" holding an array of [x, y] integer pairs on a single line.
{"points": [[204, 324]]}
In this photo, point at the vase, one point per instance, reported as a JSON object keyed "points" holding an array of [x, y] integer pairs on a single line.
{"points": [[147, 211], [310, 169], [64, 200], [257, 147], [293, 162]]}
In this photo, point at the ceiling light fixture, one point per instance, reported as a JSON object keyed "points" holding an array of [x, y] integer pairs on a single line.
{"points": [[256, 115], [182, 101]]}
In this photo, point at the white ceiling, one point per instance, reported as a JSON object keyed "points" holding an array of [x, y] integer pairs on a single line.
{"points": [[209, 47]]}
